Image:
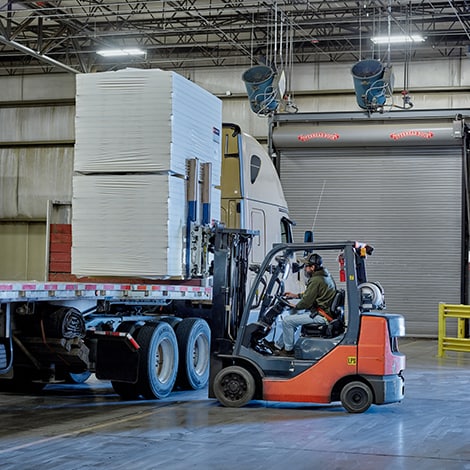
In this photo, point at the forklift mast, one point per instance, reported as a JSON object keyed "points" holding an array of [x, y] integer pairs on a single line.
{"points": [[231, 250]]}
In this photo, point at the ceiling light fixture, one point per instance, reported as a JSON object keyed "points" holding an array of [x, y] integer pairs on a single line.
{"points": [[397, 39], [120, 52]]}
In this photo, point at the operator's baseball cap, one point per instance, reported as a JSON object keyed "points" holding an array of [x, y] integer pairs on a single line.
{"points": [[313, 259]]}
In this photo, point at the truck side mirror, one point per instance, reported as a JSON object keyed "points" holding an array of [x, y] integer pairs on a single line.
{"points": [[308, 236]]}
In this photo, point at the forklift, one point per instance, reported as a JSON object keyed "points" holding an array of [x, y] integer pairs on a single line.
{"points": [[354, 359]]}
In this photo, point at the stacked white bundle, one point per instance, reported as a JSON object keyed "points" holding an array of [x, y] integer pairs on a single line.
{"points": [[135, 131], [144, 120], [120, 232]]}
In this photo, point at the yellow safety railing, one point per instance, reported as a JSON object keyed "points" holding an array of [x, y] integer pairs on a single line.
{"points": [[447, 343]]}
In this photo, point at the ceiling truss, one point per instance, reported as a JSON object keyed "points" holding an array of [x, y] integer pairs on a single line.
{"points": [[50, 36]]}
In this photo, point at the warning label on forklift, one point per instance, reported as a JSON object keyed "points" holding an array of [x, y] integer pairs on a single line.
{"points": [[352, 360]]}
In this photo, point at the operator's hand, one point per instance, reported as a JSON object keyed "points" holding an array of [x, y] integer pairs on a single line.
{"points": [[290, 295]]}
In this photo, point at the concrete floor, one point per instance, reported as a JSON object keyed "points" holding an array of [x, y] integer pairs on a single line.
{"points": [[87, 427]]}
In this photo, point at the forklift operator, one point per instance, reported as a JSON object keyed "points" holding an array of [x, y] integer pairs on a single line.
{"points": [[314, 304]]}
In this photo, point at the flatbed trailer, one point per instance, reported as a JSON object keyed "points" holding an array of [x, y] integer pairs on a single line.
{"points": [[146, 338], [148, 293]]}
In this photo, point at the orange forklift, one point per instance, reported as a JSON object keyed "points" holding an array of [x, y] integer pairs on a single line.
{"points": [[354, 359]]}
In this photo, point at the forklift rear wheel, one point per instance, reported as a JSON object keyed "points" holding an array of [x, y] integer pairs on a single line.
{"points": [[234, 386], [356, 397]]}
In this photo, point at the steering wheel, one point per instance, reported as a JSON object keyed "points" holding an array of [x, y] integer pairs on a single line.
{"points": [[276, 307], [282, 301]]}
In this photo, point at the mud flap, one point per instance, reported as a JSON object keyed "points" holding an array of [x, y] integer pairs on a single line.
{"points": [[117, 358]]}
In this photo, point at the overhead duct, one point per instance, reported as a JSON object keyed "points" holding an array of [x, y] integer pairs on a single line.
{"points": [[262, 92], [373, 84]]}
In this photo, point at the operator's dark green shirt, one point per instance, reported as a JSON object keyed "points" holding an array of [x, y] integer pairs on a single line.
{"points": [[319, 292]]}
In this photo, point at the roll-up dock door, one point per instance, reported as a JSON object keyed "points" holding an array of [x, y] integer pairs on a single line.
{"points": [[395, 184]]}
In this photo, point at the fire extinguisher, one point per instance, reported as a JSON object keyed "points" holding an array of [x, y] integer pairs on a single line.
{"points": [[342, 272]]}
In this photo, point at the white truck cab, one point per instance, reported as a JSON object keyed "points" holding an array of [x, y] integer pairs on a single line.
{"points": [[251, 192]]}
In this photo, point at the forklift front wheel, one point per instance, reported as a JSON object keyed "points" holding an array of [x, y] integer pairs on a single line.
{"points": [[234, 386], [356, 397]]}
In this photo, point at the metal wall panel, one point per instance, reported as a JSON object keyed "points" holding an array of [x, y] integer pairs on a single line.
{"points": [[8, 183], [22, 250], [406, 202], [37, 124], [30, 176], [36, 159], [44, 87]]}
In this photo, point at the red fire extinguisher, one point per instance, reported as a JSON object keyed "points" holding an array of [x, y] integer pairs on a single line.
{"points": [[342, 272]]}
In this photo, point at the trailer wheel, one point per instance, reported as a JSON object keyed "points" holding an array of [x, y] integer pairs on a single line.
{"points": [[158, 363], [125, 390], [356, 397], [193, 336], [234, 386]]}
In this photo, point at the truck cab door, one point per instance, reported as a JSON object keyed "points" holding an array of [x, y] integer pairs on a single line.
{"points": [[258, 222]]}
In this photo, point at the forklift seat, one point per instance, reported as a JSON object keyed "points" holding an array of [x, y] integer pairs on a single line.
{"points": [[334, 327]]}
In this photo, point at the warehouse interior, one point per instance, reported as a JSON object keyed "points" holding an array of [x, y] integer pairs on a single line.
{"points": [[409, 198]]}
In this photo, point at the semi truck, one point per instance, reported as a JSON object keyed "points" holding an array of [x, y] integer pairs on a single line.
{"points": [[169, 208]]}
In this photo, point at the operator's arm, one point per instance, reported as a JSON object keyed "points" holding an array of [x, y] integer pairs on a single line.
{"points": [[292, 295], [309, 297]]}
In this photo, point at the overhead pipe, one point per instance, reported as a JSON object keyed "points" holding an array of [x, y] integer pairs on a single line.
{"points": [[37, 55]]}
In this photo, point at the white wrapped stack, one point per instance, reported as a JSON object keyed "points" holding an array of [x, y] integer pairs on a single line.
{"points": [[144, 120], [135, 131]]}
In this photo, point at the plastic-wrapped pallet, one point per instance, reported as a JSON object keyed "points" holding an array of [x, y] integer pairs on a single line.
{"points": [[122, 227], [144, 121]]}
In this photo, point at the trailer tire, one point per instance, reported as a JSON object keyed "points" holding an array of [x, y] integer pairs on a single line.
{"points": [[125, 390], [194, 336], [234, 386], [356, 397], [158, 363]]}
